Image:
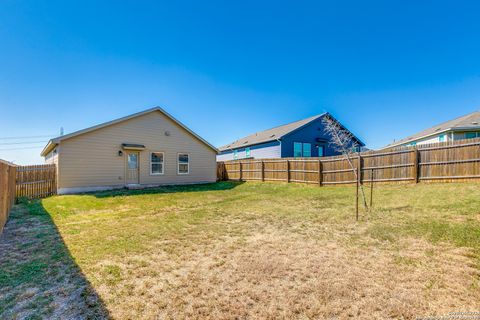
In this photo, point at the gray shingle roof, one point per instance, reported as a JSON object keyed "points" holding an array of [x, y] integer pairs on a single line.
{"points": [[466, 122], [269, 135]]}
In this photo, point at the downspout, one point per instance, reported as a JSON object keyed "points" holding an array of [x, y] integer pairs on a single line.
{"points": [[280, 143]]}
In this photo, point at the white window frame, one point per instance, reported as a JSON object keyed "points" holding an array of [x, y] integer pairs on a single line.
{"points": [[163, 163], [178, 163]]}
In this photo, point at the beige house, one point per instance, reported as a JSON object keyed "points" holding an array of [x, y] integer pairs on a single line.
{"points": [[149, 148]]}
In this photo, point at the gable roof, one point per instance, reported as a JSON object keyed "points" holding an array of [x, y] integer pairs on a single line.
{"points": [[466, 122], [54, 142], [273, 134]]}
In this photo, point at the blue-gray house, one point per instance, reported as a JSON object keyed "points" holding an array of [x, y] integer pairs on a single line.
{"points": [[304, 138]]}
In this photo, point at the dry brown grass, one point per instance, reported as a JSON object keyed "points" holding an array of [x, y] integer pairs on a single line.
{"points": [[277, 274], [275, 251]]}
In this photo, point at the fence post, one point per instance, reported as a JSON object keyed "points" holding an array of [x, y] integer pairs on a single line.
{"points": [[371, 188], [263, 170], [359, 169], [224, 172], [8, 190], [356, 199], [320, 173], [288, 171], [240, 171], [415, 164]]}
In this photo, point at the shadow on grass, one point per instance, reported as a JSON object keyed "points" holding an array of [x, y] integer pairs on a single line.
{"points": [[38, 276], [216, 186]]}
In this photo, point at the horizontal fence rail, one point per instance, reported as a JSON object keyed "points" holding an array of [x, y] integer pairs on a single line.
{"points": [[36, 181], [438, 162], [7, 190]]}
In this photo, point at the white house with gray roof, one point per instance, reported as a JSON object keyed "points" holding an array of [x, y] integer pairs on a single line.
{"points": [[464, 127]]}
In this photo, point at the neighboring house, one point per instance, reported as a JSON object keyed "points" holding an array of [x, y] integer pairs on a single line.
{"points": [[304, 138], [148, 148], [465, 127]]}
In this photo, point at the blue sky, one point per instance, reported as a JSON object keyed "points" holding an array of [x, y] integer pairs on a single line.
{"points": [[385, 69]]}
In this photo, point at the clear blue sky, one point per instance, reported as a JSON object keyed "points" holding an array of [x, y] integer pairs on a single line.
{"points": [[229, 68]]}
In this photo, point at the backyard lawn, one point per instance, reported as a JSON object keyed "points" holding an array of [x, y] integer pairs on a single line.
{"points": [[244, 250]]}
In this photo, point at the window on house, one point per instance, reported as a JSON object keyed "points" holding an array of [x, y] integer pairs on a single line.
{"points": [[183, 163], [355, 149], [132, 159], [297, 149], [307, 150], [247, 152], [302, 149], [441, 138], [471, 135], [321, 151], [156, 163], [235, 154]]}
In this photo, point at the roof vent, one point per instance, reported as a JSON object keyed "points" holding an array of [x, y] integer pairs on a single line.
{"points": [[246, 141], [272, 136], [474, 122], [438, 129]]}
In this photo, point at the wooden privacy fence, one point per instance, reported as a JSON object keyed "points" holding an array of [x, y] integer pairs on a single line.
{"points": [[445, 162], [36, 181], [7, 191]]}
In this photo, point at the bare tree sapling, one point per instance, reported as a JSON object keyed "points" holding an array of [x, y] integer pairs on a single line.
{"points": [[344, 142]]}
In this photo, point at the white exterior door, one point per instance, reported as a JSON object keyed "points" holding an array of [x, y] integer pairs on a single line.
{"points": [[132, 167]]}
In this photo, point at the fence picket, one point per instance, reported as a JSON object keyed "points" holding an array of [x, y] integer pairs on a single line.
{"points": [[445, 161], [7, 190], [36, 181]]}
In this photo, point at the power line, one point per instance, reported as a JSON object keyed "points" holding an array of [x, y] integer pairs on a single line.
{"points": [[27, 137], [23, 142], [24, 148]]}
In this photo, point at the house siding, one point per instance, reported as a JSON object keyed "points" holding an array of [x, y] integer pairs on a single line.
{"points": [[91, 160], [266, 150], [52, 157], [308, 134], [431, 139], [456, 135]]}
